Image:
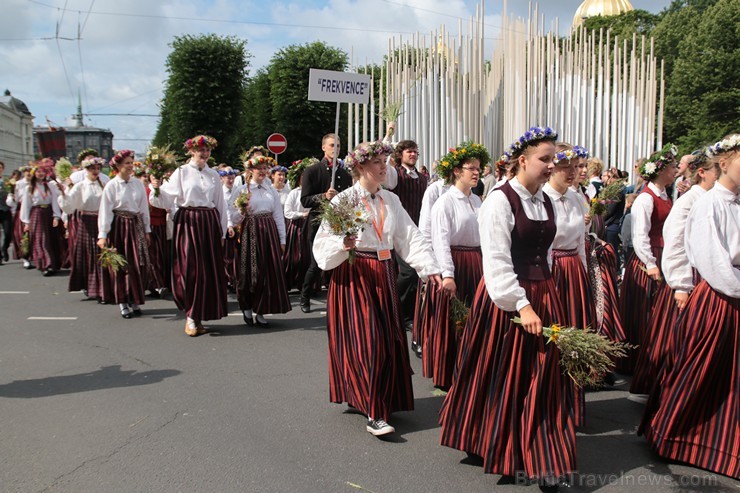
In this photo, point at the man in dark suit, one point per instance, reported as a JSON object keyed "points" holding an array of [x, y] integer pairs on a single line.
{"points": [[316, 187]]}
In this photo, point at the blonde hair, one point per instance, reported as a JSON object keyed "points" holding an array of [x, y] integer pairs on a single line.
{"points": [[629, 199], [595, 167]]}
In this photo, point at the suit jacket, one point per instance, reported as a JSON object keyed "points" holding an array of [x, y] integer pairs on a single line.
{"points": [[315, 181]]}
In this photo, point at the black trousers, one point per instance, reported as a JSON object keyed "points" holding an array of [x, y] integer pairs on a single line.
{"points": [[408, 281], [612, 237], [6, 220], [313, 274]]}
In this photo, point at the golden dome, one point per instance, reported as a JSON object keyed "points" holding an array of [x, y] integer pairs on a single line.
{"points": [[592, 8]]}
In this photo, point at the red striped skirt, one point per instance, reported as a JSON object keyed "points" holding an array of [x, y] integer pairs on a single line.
{"points": [[159, 258], [127, 285], [198, 277], [261, 275], [693, 416], [510, 402], [297, 256], [423, 309], [17, 234], [231, 259], [86, 272], [440, 336], [636, 300], [606, 296], [44, 244], [369, 364], [73, 221]]}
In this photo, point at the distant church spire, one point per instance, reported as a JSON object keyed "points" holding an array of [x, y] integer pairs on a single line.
{"points": [[78, 116]]}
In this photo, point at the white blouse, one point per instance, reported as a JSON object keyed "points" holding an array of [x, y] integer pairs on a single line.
{"points": [[399, 234], [79, 175], [433, 192], [713, 239], [283, 194], [120, 195], [84, 196], [496, 222], [582, 199], [454, 223], [293, 208], [676, 267], [642, 209], [190, 186], [39, 197], [266, 199], [391, 176], [233, 215], [571, 227]]}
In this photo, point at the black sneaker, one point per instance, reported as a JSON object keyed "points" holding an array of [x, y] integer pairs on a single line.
{"points": [[416, 349], [378, 427]]}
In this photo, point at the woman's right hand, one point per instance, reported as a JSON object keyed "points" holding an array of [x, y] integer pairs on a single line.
{"points": [[26, 228], [654, 273], [587, 217], [350, 243], [530, 321], [154, 182], [681, 299], [102, 243], [448, 284]]}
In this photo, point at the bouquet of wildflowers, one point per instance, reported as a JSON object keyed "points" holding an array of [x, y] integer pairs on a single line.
{"points": [[242, 201], [25, 245], [109, 258], [9, 186], [585, 356], [160, 161], [63, 169], [346, 217], [607, 195], [459, 313]]}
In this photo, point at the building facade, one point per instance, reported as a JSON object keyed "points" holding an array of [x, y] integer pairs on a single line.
{"points": [[16, 132]]}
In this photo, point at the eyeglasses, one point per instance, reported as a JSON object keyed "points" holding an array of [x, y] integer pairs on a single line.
{"points": [[472, 170]]}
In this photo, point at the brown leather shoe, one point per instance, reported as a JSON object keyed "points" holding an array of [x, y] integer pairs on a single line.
{"points": [[200, 330]]}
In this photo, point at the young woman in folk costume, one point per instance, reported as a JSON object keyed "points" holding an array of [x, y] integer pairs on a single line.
{"points": [[123, 223], [254, 151], [679, 277], [261, 277], [369, 366], [41, 216], [234, 219], [693, 415], [643, 286], [297, 256], [198, 277], [279, 181], [456, 244], [82, 201], [160, 250], [510, 402]]}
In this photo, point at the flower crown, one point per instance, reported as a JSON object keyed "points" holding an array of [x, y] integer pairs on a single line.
{"points": [[84, 153], [275, 169], [226, 172], [565, 155], [724, 145], [658, 162], [120, 156], [530, 137], [581, 152], [90, 161], [201, 141], [296, 170], [366, 152], [460, 154], [259, 161], [698, 158]]}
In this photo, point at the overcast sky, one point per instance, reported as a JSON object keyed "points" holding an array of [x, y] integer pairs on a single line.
{"points": [[117, 65]]}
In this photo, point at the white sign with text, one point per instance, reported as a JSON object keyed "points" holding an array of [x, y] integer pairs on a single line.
{"points": [[338, 87]]}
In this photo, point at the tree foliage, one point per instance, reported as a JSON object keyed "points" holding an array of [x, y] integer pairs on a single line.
{"points": [[277, 100], [624, 25], [204, 92]]}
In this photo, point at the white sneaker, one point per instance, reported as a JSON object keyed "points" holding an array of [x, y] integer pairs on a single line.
{"points": [[378, 427], [638, 398], [26, 264]]}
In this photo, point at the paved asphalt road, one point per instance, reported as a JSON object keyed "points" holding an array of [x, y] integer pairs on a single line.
{"points": [[103, 404]]}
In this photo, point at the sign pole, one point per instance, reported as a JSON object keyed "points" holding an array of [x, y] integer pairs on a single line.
{"points": [[336, 150]]}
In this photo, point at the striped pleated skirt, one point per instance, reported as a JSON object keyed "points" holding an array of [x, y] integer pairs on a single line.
{"points": [[73, 221], [603, 278], [232, 254], [510, 402], [43, 241], [423, 310], [693, 414], [297, 256], [198, 278], [85, 271], [159, 258], [369, 364], [261, 275], [18, 234], [128, 284], [636, 301], [439, 352]]}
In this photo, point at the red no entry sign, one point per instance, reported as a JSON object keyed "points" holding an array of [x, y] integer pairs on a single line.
{"points": [[277, 143]]}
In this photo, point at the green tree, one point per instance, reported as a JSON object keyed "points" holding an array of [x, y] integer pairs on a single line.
{"points": [[204, 92], [303, 122], [624, 25], [703, 100], [257, 122]]}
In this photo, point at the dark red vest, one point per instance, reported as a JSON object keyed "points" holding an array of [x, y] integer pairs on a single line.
{"points": [[411, 192], [661, 209], [530, 240]]}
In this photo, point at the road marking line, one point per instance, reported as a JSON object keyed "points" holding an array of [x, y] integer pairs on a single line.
{"points": [[15, 292], [52, 318]]}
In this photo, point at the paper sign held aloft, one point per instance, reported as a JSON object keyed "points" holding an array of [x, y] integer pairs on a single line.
{"points": [[338, 87]]}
